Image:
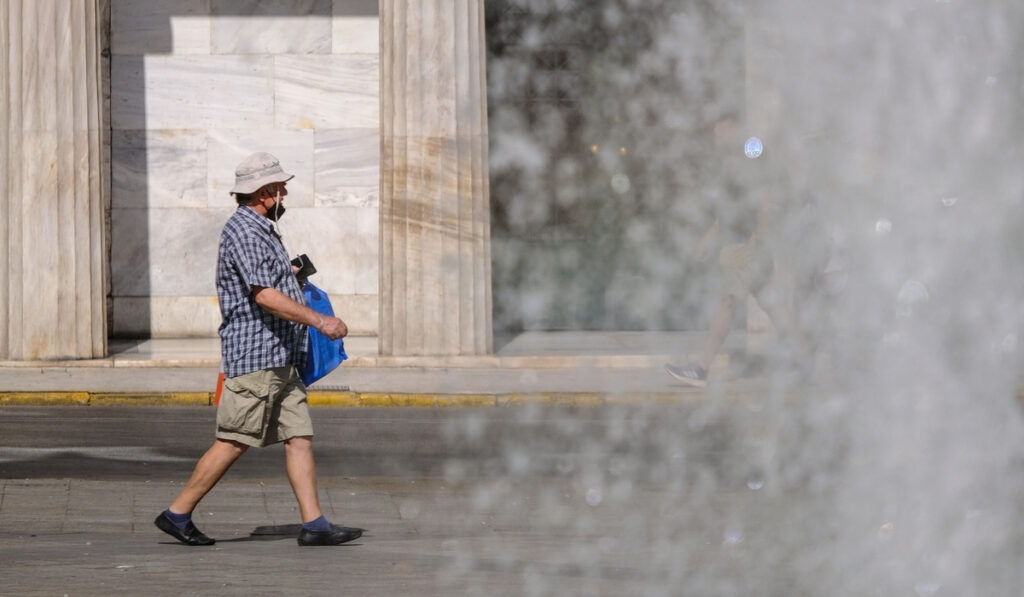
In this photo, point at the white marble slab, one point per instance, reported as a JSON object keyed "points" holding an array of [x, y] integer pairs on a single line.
{"points": [[189, 92], [148, 27], [199, 317], [330, 237], [366, 250], [356, 27], [158, 168], [294, 148], [348, 167], [360, 313], [325, 92], [166, 317], [260, 27], [165, 252]]}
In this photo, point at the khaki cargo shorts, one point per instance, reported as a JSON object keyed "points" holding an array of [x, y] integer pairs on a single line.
{"points": [[264, 407]]}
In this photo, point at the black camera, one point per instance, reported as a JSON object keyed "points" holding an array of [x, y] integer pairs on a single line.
{"points": [[306, 267]]}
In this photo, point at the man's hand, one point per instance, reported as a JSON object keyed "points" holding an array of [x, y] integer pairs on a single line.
{"points": [[280, 305], [333, 327]]}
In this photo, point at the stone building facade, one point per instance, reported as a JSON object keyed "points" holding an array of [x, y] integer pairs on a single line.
{"points": [[124, 120]]}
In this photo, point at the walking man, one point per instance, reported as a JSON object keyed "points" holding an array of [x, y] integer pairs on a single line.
{"points": [[263, 342]]}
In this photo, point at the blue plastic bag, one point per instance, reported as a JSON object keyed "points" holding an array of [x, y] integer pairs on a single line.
{"points": [[323, 354]]}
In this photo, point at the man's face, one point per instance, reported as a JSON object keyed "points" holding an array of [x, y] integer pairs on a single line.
{"points": [[271, 197]]}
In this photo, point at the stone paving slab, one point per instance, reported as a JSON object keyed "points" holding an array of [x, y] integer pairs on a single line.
{"points": [[426, 537]]}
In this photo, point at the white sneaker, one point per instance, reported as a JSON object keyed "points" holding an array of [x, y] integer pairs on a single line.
{"points": [[690, 374]]}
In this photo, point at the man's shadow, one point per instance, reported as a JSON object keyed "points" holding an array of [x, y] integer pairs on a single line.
{"points": [[271, 533]]}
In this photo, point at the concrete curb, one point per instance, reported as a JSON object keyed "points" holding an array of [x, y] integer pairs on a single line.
{"points": [[350, 399]]}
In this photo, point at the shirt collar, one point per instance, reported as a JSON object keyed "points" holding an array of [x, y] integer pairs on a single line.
{"points": [[250, 214]]}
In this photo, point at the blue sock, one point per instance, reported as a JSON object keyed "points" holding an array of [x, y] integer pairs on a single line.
{"points": [[179, 520], [320, 524]]}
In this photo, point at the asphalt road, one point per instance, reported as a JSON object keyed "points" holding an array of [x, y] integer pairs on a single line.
{"points": [[154, 442]]}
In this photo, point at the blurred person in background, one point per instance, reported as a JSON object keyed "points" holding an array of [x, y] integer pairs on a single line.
{"points": [[761, 235]]}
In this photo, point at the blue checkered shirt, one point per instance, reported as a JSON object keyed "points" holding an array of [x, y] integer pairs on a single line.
{"points": [[251, 254]]}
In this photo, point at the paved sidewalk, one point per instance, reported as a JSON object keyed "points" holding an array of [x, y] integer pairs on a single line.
{"points": [[425, 537], [553, 367], [493, 502]]}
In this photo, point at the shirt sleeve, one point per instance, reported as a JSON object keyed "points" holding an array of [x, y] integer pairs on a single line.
{"points": [[259, 265]]}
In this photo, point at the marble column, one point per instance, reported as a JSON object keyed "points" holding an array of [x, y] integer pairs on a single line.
{"points": [[435, 280], [53, 179]]}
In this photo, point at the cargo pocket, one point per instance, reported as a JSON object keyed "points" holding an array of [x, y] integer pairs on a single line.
{"points": [[243, 407]]}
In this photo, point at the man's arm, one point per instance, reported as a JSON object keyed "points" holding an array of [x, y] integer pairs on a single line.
{"points": [[280, 305]]}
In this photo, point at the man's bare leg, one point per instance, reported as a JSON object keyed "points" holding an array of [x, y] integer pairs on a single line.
{"points": [[718, 331], [301, 469], [210, 468]]}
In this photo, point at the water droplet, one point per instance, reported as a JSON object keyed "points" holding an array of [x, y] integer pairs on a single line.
{"points": [[753, 148], [927, 587], [755, 484], [883, 226], [911, 295], [732, 536], [623, 151], [991, 80], [620, 183], [594, 496], [892, 338], [949, 201]]}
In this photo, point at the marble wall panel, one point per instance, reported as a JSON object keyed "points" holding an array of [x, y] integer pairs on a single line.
{"points": [[158, 168], [330, 237], [327, 92], [166, 317], [348, 167], [359, 312], [197, 85], [355, 27], [260, 27], [227, 148], [147, 27], [165, 252], [366, 250], [188, 92]]}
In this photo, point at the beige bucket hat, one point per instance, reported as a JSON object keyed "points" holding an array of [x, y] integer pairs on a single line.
{"points": [[257, 171]]}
